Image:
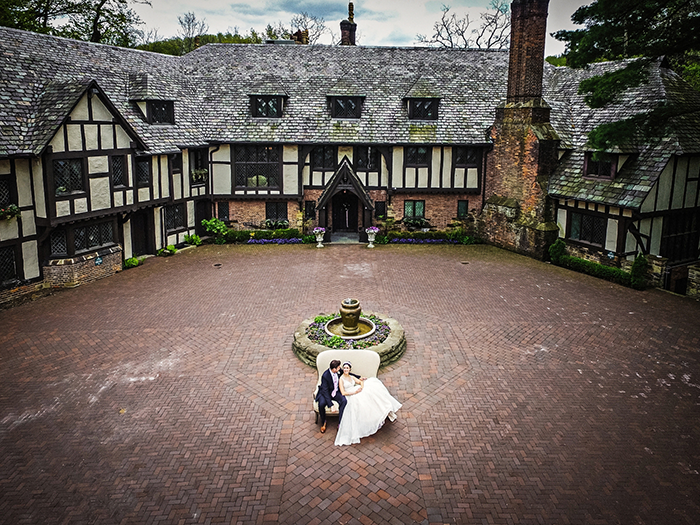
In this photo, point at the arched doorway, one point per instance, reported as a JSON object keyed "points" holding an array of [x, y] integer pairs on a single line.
{"points": [[344, 207]]}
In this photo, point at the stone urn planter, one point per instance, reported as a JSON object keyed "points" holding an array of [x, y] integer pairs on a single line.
{"points": [[371, 235], [319, 233]]}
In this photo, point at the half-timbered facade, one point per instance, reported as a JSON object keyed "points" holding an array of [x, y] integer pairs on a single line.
{"points": [[112, 152]]}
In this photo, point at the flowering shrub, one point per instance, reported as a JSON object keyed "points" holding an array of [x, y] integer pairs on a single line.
{"points": [[295, 240], [318, 230], [11, 211], [422, 241], [372, 229], [317, 333]]}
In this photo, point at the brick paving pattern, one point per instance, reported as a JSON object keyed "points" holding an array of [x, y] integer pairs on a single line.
{"points": [[170, 394]]}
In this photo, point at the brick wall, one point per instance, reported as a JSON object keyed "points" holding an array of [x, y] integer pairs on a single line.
{"points": [[67, 273], [440, 210], [11, 295], [242, 214], [694, 281]]}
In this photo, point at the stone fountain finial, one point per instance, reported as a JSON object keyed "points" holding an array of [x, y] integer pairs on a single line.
{"points": [[350, 314]]}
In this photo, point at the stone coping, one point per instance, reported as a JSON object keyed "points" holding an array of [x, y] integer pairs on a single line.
{"points": [[86, 257], [389, 351]]}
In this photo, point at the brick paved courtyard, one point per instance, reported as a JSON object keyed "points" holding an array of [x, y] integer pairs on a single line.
{"points": [[170, 394]]}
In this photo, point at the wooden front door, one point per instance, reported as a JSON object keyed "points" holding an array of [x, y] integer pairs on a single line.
{"points": [[142, 233], [345, 212]]}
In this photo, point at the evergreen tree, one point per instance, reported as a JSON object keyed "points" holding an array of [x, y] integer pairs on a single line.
{"points": [[643, 29]]}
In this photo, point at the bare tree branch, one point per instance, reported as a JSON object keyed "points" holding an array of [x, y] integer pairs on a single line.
{"points": [[315, 25], [453, 32]]}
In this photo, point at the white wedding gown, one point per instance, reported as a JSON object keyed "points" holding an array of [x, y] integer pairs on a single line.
{"points": [[366, 411]]}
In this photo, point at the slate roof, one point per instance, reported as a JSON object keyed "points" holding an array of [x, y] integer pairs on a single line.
{"points": [[211, 88], [42, 77], [573, 120], [224, 74]]}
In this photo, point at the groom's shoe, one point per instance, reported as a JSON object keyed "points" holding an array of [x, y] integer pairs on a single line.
{"points": [[323, 428]]}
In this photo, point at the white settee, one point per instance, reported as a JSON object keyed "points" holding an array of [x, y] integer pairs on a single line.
{"points": [[365, 363]]}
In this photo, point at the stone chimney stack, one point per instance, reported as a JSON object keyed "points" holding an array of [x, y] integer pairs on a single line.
{"points": [[348, 28], [517, 213], [527, 38]]}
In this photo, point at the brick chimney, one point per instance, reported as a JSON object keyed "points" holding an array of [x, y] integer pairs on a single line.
{"points": [[518, 214], [527, 37], [348, 28]]}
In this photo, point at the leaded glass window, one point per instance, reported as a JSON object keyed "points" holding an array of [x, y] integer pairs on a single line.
{"points": [[462, 209], [680, 236], [161, 112], [276, 211], [367, 158], [380, 209], [346, 107], [466, 157], [324, 158], [119, 175], [588, 228], [423, 108], [417, 156], [143, 171], [600, 165], [175, 216], [68, 175], [8, 265], [59, 246], [257, 166], [269, 106], [222, 211], [5, 192], [310, 210], [414, 208]]}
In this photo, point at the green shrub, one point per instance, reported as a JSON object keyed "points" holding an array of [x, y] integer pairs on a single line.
{"points": [[638, 272], [557, 251], [271, 224], [193, 240], [168, 250], [131, 262], [217, 228], [609, 273]]}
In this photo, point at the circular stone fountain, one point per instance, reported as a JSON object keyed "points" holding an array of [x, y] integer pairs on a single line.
{"points": [[351, 326]]}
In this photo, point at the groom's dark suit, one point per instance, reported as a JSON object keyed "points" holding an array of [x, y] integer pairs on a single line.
{"points": [[325, 399]]}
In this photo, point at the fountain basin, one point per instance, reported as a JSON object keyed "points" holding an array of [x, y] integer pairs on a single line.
{"points": [[390, 350], [364, 328]]}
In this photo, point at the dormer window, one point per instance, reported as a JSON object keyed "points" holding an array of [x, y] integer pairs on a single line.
{"points": [[346, 107], [160, 112], [267, 106], [599, 165], [423, 108]]}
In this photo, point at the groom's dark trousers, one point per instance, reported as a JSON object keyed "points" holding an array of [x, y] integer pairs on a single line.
{"points": [[325, 399]]}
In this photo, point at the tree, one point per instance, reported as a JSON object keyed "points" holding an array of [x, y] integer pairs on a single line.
{"points": [[315, 25], [645, 30], [453, 32], [190, 29], [104, 21]]}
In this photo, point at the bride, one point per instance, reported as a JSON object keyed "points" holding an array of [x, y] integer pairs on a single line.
{"points": [[369, 403]]}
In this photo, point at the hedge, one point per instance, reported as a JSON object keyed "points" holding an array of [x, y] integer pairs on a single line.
{"points": [[636, 278]]}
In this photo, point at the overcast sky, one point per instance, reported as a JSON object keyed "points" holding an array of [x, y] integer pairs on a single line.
{"points": [[379, 22]]}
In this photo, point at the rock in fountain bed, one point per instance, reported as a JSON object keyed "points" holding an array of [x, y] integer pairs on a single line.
{"points": [[350, 328]]}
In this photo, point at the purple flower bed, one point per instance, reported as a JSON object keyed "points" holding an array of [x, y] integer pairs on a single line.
{"points": [[423, 241], [317, 334], [295, 240]]}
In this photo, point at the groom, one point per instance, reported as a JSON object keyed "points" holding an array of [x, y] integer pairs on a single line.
{"points": [[329, 391]]}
